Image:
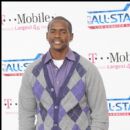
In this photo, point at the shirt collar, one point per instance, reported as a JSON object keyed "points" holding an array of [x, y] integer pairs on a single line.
{"points": [[70, 56]]}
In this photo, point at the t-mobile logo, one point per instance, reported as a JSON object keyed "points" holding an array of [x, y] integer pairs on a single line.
{"points": [[8, 103], [92, 57]]}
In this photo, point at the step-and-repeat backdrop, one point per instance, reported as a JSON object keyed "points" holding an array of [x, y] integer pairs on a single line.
{"points": [[101, 34]]}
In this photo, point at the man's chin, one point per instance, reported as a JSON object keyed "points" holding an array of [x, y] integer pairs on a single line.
{"points": [[58, 49]]}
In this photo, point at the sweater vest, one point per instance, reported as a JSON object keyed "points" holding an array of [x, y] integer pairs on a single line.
{"points": [[67, 111]]}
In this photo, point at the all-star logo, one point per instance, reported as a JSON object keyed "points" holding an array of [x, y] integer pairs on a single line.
{"points": [[109, 18], [119, 106], [16, 67]]}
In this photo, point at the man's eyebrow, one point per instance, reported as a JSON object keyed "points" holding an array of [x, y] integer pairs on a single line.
{"points": [[62, 29]]}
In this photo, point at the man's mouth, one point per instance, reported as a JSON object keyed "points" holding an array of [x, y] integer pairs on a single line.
{"points": [[57, 42]]}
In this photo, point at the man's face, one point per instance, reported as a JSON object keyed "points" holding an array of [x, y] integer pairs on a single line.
{"points": [[58, 35]]}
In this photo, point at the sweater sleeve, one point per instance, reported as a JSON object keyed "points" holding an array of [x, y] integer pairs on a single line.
{"points": [[97, 100], [27, 104]]}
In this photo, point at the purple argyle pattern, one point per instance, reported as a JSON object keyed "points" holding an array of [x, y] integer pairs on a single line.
{"points": [[43, 111], [75, 112], [86, 109], [51, 111], [62, 113], [79, 90], [65, 90], [80, 70], [41, 127], [76, 127], [38, 90]]}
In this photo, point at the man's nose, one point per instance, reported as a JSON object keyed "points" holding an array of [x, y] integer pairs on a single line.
{"points": [[57, 34]]}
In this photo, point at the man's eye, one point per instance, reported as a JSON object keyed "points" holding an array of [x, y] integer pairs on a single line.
{"points": [[52, 31], [63, 32]]}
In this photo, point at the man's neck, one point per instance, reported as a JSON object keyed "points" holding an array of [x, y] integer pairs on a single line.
{"points": [[59, 55]]}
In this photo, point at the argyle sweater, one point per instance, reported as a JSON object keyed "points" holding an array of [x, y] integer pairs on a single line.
{"points": [[80, 105]]}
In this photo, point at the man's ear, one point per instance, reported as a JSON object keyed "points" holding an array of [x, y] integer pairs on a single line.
{"points": [[71, 38]]}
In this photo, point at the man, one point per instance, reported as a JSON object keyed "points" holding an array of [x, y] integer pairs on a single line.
{"points": [[62, 90]]}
